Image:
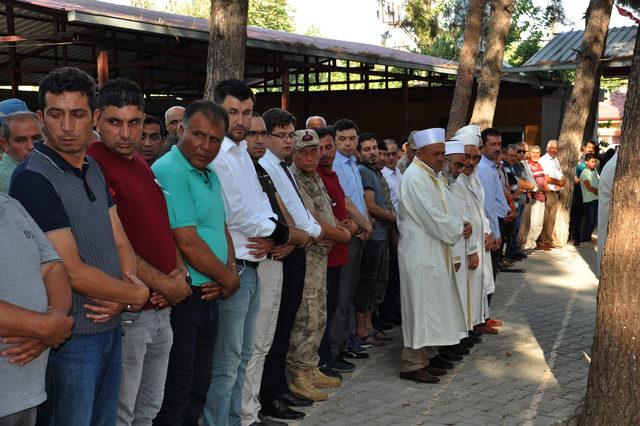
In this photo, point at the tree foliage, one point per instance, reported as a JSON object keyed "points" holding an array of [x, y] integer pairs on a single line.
{"points": [[270, 14], [437, 27]]}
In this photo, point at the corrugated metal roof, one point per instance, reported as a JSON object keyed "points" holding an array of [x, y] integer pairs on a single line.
{"points": [[561, 52], [132, 18]]}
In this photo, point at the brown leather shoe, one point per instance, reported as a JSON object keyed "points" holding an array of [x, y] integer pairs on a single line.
{"points": [[419, 376]]}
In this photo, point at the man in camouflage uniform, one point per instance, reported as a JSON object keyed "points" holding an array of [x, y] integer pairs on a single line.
{"points": [[302, 359]]}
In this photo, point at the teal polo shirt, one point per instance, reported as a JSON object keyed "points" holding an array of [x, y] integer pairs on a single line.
{"points": [[194, 198]]}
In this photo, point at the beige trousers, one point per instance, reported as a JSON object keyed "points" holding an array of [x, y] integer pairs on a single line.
{"points": [[415, 359]]}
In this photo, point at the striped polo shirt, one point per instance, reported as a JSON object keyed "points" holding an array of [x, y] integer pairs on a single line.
{"points": [[58, 195]]}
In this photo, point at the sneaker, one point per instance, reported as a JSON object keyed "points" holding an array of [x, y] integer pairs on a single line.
{"points": [[355, 344], [341, 365], [328, 371]]}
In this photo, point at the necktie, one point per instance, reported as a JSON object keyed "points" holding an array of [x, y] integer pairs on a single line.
{"points": [[293, 182]]}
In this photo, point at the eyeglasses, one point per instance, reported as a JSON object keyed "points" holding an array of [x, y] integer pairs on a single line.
{"points": [[522, 151], [254, 133], [175, 122], [455, 163], [283, 136], [153, 136], [473, 157]]}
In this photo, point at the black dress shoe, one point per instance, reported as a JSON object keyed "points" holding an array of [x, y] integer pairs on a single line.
{"points": [[339, 365], [439, 362], [292, 400], [458, 349], [475, 339], [449, 356], [474, 333], [434, 371], [280, 410], [467, 343], [354, 355]]}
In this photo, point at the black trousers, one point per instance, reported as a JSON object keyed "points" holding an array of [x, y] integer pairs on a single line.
{"points": [[391, 303], [274, 381], [333, 295], [195, 324], [369, 268], [576, 215]]}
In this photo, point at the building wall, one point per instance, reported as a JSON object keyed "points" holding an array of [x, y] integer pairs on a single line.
{"points": [[381, 112]]}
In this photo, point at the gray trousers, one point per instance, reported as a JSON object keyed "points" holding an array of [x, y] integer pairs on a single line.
{"points": [[145, 355], [21, 418], [342, 324]]}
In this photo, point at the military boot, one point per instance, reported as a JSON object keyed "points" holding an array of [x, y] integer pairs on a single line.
{"points": [[321, 380], [301, 385]]}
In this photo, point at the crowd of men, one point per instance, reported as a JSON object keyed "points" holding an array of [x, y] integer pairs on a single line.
{"points": [[223, 267]]}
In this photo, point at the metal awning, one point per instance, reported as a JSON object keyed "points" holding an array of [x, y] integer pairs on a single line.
{"points": [[561, 52]]}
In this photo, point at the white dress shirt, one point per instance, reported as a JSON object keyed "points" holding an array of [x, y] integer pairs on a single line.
{"points": [[247, 206], [393, 180], [551, 167], [289, 194]]}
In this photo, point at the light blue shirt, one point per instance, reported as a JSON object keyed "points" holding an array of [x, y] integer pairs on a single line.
{"points": [[350, 180], [495, 203]]}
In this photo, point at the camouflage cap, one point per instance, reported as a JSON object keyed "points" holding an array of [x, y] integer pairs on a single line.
{"points": [[305, 138]]}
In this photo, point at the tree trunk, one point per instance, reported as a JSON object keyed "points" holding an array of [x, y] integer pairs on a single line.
{"points": [[491, 70], [590, 132], [466, 67], [613, 390], [577, 110], [227, 42]]}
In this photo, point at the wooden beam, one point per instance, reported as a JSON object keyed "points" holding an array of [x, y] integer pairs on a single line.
{"points": [[306, 87], [13, 61], [103, 67], [405, 107], [284, 97]]}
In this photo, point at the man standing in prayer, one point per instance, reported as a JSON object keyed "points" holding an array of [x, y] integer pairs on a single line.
{"points": [[465, 251], [429, 226], [483, 276]]}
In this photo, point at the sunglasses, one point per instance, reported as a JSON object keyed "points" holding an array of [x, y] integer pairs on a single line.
{"points": [[521, 151]]}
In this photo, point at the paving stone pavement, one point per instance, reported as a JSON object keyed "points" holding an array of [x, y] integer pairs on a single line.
{"points": [[534, 372]]}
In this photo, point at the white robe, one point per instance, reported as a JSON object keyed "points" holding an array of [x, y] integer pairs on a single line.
{"points": [[471, 293], [431, 310], [605, 187], [488, 283]]}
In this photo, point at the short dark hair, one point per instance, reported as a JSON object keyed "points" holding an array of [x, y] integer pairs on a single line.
{"points": [[590, 156], [67, 79], [120, 92], [584, 144], [382, 145], [344, 124], [489, 131], [256, 114], [277, 117], [325, 131], [150, 119], [236, 88], [211, 110], [367, 136]]}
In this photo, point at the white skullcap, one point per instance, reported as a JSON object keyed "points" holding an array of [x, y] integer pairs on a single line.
{"points": [[454, 147], [467, 139], [428, 137], [470, 129]]}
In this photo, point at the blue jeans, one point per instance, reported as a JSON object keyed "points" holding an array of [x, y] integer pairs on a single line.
{"points": [[232, 351], [83, 381]]}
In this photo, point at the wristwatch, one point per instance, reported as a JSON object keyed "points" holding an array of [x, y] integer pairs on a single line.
{"points": [[188, 279]]}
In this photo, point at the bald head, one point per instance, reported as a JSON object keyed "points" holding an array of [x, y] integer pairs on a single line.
{"points": [[173, 118], [315, 122]]}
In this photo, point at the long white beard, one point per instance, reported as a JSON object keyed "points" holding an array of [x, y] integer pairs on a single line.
{"points": [[448, 175]]}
